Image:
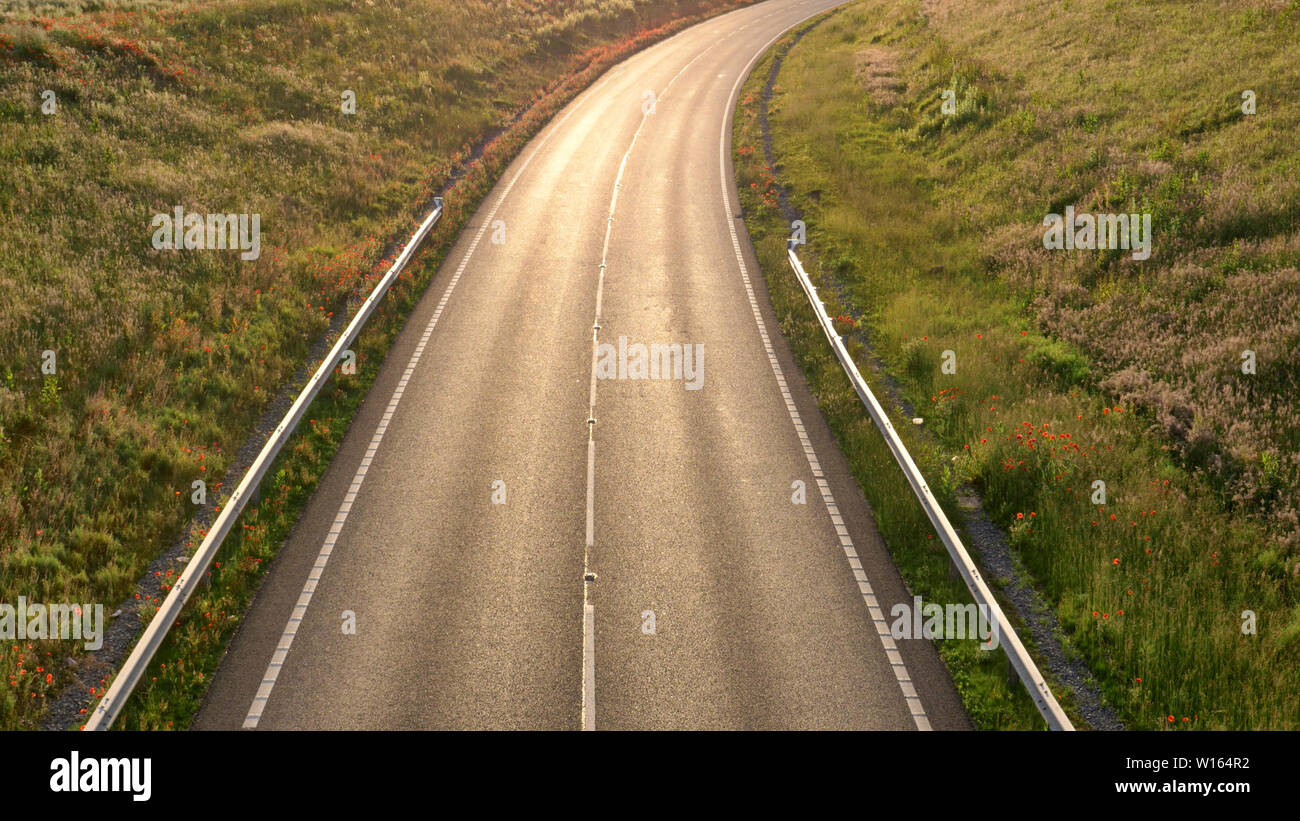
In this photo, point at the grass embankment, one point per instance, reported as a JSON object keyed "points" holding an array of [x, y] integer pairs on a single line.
{"points": [[1072, 367], [165, 360]]}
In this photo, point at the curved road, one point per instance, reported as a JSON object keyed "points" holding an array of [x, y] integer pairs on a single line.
{"points": [[473, 497]]}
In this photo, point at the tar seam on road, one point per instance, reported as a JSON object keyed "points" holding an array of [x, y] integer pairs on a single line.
{"points": [[300, 609], [846, 542], [588, 712]]}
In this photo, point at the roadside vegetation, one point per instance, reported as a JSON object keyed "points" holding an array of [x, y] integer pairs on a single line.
{"points": [[164, 361], [925, 228]]}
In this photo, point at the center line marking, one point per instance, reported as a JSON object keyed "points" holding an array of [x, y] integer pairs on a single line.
{"points": [[588, 711]]}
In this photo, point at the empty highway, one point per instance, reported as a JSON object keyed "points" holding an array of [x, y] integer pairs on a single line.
{"points": [[529, 532]]}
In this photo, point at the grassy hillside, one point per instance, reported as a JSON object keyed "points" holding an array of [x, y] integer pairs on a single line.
{"points": [[164, 360], [1073, 367]]}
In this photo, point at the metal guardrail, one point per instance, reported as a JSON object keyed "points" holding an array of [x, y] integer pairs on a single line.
{"points": [[1020, 660], [115, 697]]}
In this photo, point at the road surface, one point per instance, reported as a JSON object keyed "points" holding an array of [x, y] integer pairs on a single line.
{"points": [[473, 497]]}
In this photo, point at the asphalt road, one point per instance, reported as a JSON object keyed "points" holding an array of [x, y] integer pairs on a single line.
{"points": [[717, 601]]}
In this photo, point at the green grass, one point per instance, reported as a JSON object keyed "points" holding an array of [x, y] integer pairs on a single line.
{"points": [[1071, 367], [165, 360]]}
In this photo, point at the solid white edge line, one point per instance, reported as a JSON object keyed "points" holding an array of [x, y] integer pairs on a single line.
{"points": [[901, 674]]}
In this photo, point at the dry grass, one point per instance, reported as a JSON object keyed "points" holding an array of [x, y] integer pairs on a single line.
{"points": [[877, 70], [165, 360]]}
